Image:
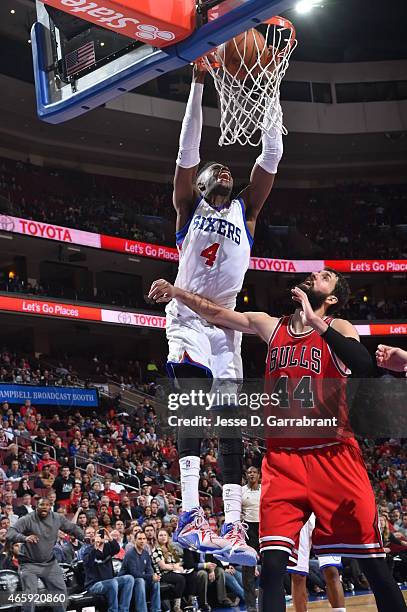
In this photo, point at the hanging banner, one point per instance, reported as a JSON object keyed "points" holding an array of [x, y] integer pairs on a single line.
{"points": [[49, 396]]}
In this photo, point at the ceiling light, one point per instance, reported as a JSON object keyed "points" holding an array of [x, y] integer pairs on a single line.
{"points": [[305, 6], [102, 44], [12, 12]]}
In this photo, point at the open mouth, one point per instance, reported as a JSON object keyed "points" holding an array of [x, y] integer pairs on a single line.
{"points": [[224, 175]]}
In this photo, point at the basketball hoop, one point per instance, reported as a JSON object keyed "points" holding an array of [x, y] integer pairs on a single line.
{"points": [[247, 74]]}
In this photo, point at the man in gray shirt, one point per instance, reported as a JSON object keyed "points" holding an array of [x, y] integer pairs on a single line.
{"points": [[38, 533]]}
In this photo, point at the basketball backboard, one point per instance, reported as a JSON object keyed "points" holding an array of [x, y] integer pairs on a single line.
{"points": [[80, 63]]}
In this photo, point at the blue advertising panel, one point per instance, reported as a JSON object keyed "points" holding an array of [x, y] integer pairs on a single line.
{"points": [[49, 396]]}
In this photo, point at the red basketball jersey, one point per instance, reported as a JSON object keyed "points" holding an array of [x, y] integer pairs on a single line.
{"points": [[308, 385]]}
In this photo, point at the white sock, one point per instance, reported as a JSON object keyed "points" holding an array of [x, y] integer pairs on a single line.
{"points": [[232, 501], [189, 467], [338, 609]]}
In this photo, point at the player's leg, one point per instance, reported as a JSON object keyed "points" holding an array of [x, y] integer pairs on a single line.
{"points": [[334, 587], [228, 374], [273, 569], [300, 570], [283, 513], [387, 593], [343, 501], [189, 365], [299, 592]]}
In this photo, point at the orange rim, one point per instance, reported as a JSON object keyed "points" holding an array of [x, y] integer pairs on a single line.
{"points": [[285, 24], [277, 21]]}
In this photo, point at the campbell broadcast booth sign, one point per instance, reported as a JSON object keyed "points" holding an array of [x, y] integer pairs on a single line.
{"points": [[49, 231]]}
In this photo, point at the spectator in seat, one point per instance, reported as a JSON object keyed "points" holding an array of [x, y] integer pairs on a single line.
{"points": [[63, 550], [12, 455], [76, 495], [61, 453], [137, 563], [52, 498], [215, 485], [155, 510], [166, 564], [96, 492], [63, 485], [24, 488], [26, 507], [29, 459], [108, 492], [128, 512], [8, 512], [27, 408], [14, 472], [99, 574], [3, 475], [207, 575], [171, 512], [403, 527], [86, 507], [151, 537], [9, 557], [81, 518], [46, 459], [41, 440], [44, 480], [3, 533]]}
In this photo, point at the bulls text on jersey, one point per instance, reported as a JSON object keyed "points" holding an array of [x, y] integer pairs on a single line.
{"points": [[307, 357]]}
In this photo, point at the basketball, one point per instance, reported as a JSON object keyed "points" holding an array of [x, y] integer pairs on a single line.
{"points": [[245, 55]]}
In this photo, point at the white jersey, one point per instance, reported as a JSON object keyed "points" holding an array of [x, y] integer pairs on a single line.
{"points": [[214, 255]]}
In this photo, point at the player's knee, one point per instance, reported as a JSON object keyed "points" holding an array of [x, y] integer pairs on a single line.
{"points": [[331, 574], [298, 580], [273, 566]]}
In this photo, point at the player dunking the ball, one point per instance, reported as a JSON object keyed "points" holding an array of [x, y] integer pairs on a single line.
{"points": [[323, 475], [214, 235]]}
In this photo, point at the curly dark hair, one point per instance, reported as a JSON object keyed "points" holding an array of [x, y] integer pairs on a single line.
{"points": [[341, 292]]}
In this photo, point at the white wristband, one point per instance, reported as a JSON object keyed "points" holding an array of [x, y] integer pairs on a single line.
{"points": [[190, 137]]}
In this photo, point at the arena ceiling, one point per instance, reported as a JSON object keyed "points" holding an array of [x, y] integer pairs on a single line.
{"points": [[341, 30]]}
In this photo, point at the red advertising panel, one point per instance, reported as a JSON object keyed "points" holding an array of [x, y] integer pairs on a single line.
{"points": [[50, 309], [156, 23], [141, 319], [142, 249]]}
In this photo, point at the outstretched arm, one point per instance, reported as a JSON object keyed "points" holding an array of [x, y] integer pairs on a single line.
{"points": [[258, 323], [264, 171], [188, 158], [391, 358]]}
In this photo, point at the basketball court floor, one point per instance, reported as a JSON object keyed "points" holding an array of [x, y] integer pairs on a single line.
{"points": [[354, 603]]}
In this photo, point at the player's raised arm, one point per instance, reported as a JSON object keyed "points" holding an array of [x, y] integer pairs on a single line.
{"points": [[264, 171], [188, 159], [258, 323], [341, 337]]}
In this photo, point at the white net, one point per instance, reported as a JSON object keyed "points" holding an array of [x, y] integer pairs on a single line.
{"points": [[247, 72]]}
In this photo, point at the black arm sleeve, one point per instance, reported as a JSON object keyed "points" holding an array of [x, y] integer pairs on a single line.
{"points": [[352, 353]]}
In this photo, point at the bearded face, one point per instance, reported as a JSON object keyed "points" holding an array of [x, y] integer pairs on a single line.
{"points": [[316, 298]]}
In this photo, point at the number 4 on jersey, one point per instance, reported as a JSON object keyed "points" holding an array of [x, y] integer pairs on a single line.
{"points": [[210, 254]]}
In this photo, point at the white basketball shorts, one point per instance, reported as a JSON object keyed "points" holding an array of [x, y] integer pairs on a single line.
{"points": [[198, 343], [304, 549]]}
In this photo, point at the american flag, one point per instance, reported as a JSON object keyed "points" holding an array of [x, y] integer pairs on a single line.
{"points": [[80, 58]]}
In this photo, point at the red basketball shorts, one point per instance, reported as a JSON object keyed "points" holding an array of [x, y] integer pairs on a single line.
{"points": [[333, 483]]}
